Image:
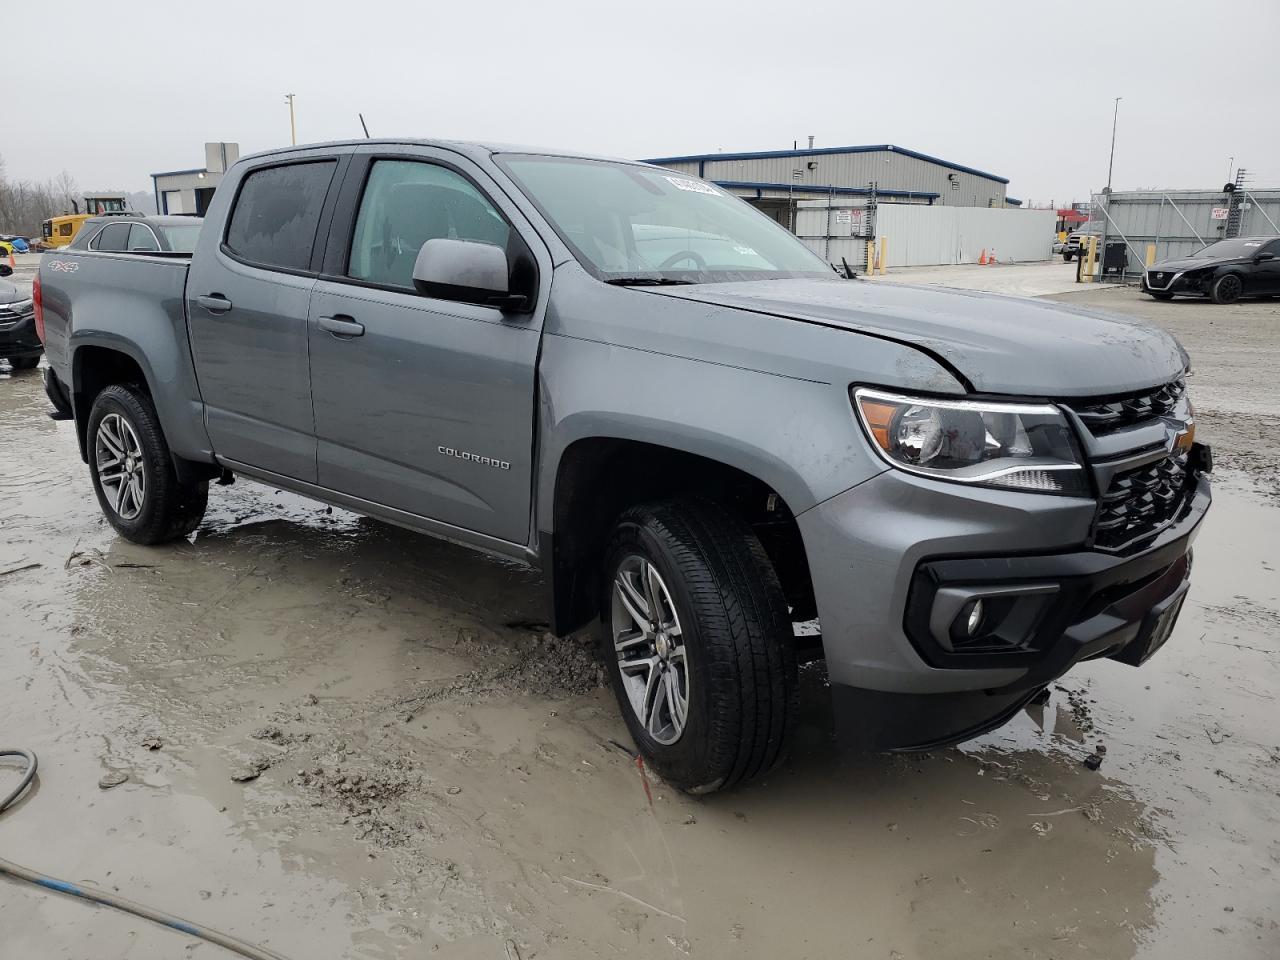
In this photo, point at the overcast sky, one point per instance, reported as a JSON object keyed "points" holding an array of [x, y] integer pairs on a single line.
{"points": [[1024, 89]]}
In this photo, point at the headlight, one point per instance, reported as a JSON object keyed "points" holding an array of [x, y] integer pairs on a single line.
{"points": [[1010, 445], [17, 306]]}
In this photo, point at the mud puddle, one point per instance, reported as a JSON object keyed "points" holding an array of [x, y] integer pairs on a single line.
{"points": [[338, 744]]}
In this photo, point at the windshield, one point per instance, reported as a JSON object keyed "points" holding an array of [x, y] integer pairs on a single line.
{"points": [[181, 237], [625, 222], [1230, 248]]}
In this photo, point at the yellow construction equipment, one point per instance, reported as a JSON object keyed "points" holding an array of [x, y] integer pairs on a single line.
{"points": [[59, 231]]}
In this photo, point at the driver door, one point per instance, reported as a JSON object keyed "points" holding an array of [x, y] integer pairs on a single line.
{"points": [[422, 405]]}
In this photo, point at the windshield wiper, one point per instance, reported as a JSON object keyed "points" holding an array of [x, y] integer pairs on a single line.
{"points": [[646, 282]]}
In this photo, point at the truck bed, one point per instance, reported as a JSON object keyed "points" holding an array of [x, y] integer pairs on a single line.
{"points": [[134, 304]]}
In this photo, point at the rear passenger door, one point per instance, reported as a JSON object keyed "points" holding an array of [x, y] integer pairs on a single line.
{"points": [[428, 409], [248, 296]]}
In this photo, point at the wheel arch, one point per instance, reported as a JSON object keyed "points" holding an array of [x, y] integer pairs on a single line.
{"points": [[598, 477], [98, 364]]}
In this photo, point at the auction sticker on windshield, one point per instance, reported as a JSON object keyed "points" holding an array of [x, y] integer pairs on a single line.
{"points": [[693, 186]]}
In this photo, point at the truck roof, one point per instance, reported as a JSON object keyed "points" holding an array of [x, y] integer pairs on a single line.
{"points": [[469, 147]]}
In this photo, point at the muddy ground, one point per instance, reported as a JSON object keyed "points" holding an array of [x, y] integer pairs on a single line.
{"points": [[342, 740]]}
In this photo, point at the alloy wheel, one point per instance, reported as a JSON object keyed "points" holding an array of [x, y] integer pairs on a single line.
{"points": [[121, 471], [649, 644]]}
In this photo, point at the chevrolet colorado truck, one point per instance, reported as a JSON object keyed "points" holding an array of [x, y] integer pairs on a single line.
{"points": [[700, 433]]}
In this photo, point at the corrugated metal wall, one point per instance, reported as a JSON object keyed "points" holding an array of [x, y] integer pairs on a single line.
{"points": [[1180, 222], [890, 169]]}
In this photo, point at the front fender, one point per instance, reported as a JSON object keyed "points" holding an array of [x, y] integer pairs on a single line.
{"points": [[798, 436]]}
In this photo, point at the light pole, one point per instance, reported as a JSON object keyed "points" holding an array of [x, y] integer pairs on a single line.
{"points": [[1112, 162], [293, 127]]}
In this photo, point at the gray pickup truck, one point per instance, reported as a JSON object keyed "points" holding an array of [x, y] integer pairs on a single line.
{"points": [[700, 432]]}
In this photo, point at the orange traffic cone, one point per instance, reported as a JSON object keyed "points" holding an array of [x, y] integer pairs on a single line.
{"points": [[13, 263], [983, 259], [992, 259]]}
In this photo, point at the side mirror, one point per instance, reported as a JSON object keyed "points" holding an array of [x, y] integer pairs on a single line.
{"points": [[467, 271], [5, 270], [1264, 256]]}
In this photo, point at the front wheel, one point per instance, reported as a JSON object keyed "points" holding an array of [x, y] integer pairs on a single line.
{"points": [[1066, 256], [1159, 296], [697, 640], [1226, 289], [24, 363], [133, 475]]}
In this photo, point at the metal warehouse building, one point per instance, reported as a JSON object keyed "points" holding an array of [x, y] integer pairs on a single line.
{"points": [[775, 180]]}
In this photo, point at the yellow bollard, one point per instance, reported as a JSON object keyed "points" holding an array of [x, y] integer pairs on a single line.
{"points": [[884, 264], [1151, 254], [871, 258], [1091, 260]]}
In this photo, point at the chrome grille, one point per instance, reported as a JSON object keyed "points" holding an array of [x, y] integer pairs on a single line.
{"points": [[10, 316], [1139, 503], [1103, 416]]}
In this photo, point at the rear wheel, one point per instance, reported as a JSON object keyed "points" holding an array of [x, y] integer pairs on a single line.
{"points": [[697, 640], [1226, 289], [133, 473]]}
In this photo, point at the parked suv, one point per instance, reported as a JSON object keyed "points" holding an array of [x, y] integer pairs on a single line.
{"points": [[138, 234], [701, 444], [18, 341]]}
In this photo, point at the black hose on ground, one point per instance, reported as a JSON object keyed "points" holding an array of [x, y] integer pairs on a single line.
{"points": [[110, 899]]}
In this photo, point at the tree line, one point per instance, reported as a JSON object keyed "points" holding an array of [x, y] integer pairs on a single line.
{"points": [[25, 204]]}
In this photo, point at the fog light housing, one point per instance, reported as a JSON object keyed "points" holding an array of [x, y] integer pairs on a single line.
{"points": [[988, 619], [973, 622]]}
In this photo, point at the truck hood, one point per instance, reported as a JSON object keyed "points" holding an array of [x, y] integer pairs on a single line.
{"points": [[999, 344], [8, 292]]}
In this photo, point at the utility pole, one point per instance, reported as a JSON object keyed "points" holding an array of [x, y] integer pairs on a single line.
{"points": [[1111, 163], [293, 126]]}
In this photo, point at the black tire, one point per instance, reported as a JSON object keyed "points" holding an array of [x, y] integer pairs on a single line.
{"points": [[170, 508], [1159, 296], [741, 667], [1066, 256], [24, 363], [1226, 289]]}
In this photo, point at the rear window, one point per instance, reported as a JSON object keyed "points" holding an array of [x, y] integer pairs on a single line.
{"points": [[276, 214]]}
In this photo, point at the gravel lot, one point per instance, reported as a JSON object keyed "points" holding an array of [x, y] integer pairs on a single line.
{"points": [[342, 740]]}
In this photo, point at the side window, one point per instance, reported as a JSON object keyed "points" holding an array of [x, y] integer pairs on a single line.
{"points": [[405, 204], [113, 237], [276, 214], [141, 238], [1273, 248]]}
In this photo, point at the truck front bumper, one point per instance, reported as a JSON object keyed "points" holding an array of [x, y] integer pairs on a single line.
{"points": [[899, 562]]}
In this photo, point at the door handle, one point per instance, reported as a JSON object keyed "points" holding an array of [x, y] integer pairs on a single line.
{"points": [[214, 303], [342, 327]]}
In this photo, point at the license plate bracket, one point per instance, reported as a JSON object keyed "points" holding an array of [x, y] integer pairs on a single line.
{"points": [[1156, 630]]}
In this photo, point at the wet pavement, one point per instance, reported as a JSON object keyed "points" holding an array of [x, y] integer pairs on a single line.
{"points": [[343, 740]]}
